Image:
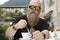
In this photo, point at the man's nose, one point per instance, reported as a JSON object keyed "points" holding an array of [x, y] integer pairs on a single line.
{"points": [[33, 10]]}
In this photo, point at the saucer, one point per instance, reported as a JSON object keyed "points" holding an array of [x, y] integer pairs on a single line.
{"points": [[25, 38]]}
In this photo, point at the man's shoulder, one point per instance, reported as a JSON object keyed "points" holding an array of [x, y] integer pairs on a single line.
{"points": [[43, 20], [44, 24], [19, 18]]}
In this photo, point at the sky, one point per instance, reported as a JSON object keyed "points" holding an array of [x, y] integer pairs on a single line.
{"points": [[3, 1]]}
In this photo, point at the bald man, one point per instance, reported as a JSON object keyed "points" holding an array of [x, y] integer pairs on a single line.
{"points": [[38, 27]]}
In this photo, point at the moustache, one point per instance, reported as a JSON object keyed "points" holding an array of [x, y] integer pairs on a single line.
{"points": [[33, 13]]}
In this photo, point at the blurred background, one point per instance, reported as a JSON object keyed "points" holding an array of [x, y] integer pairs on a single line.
{"points": [[10, 9]]}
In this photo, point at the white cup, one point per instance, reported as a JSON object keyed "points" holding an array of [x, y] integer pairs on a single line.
{"points": [[26, 35], [57, 33], [52, 34]]}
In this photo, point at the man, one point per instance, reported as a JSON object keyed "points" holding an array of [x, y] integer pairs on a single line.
{"points": [[37, 26]]}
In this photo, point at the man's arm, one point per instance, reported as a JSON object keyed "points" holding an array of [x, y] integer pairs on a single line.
{"points": [[45, 34], [10, 32]]}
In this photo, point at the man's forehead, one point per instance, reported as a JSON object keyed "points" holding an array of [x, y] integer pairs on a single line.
{"points": [[35, 2]]}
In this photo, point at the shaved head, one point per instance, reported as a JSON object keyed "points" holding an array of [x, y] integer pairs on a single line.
{"points": [[35, 2]]}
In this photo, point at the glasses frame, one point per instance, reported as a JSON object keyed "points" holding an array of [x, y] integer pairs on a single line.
{"points": [[34, 7]]}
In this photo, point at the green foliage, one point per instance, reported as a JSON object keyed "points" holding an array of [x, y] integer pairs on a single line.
{"points": [[50, 28], [20, 13], [1, 11], [25, 10], [11, 14], [2, 32]]}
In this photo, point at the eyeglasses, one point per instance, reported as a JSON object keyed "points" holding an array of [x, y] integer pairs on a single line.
{"points": [[35, 7]]}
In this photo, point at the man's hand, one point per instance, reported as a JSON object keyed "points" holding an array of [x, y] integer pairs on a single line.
{"points": [[46, 32], [37, 35], [21, 24]]}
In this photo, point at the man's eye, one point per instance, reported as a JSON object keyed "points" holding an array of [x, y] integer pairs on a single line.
{"points": [[37, 8], [32, 7]]}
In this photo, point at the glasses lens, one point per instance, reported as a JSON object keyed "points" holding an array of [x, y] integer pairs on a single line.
{"points": [[31, 7], [37, 8], [34, 7]]}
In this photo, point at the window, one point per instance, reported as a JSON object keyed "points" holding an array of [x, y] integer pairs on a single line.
{"points": [[43, 5], [50, 2]]}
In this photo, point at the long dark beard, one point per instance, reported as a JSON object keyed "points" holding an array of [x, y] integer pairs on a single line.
{"points": [[32, 18]]}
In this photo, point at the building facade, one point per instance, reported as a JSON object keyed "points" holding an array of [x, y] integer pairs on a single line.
{"points": [[13, 8], [49, 10], [13, 5]]}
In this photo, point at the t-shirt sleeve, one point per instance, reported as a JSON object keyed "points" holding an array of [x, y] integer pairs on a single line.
{"points": [[16, 20]]}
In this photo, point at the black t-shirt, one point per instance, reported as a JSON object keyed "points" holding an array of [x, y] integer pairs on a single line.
{"points": [[42, 25]]}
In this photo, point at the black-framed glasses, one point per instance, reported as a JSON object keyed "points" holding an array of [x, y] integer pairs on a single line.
{"points": [[35, 7]]}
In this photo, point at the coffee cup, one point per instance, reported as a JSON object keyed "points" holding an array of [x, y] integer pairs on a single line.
{"points": [[26, 35]]}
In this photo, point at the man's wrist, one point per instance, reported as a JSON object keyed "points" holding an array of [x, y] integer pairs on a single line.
{"points": [[14, 27], [44, 35]]}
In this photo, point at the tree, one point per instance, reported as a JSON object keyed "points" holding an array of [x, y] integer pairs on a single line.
{"points": [[2, 32], [25, 10], [1, 13]]}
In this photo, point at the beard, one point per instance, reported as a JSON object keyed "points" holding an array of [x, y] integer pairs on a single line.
{"points": [[33, 18]]}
